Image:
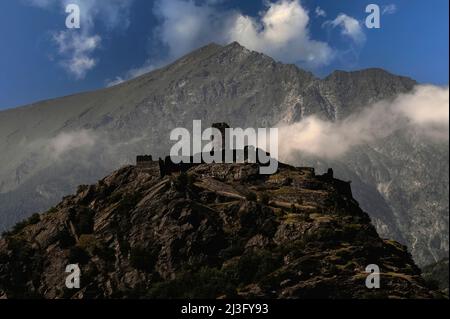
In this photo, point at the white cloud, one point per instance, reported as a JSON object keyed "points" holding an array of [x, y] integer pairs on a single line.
{"points": [[428, 105], [320, 12], [67, 141], [282, 31], [389, 9], [77, 47], [350, 27], [147, 67], [112, 13], [186, 25], [425, 110], [116, 81], [41, 3], [135, 72]]}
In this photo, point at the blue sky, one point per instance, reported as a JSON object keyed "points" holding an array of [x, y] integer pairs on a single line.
{"points": [[119, 39]]}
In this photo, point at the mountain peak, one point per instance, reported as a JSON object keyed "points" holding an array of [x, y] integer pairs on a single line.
{"points": [[237, 49], [236, 45], [219, 84]]}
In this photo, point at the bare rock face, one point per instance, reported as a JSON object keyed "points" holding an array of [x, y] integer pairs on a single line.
{"points": [[211, 232]]}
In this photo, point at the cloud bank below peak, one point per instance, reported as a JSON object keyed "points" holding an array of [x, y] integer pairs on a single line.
{"points": [[424, 111]]}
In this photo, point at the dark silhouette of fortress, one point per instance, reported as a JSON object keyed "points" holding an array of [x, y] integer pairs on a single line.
{"points": [[168, 167]]}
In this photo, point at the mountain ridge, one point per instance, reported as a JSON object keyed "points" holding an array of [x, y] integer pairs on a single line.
{"points": [[222, 84], [214, 46]]}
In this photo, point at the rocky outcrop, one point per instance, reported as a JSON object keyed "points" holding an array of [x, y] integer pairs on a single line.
{"points": [[214, 231], [401, 180], [436, 275]]}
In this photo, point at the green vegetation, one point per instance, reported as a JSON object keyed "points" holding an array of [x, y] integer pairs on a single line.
{"points": [[19, 247], [34, 219], [436, 275], [24, 266], [52, 210], [323, 234], [206, 283], [209, 282], [254, 266]]}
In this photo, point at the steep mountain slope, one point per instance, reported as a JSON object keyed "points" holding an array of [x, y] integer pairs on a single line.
{"points": [[50, 147], [402, 181], [436, 275], [217, 230]]}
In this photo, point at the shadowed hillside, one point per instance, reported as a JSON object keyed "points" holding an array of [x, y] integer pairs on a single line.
{"points": [[216, 230]]}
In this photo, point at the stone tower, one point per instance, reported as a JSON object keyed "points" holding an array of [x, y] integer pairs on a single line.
{"points": [[222, 128]]}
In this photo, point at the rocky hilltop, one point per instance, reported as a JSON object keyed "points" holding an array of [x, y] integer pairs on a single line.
{"points": [[213, 231], [437, 276], [401, 180]]}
